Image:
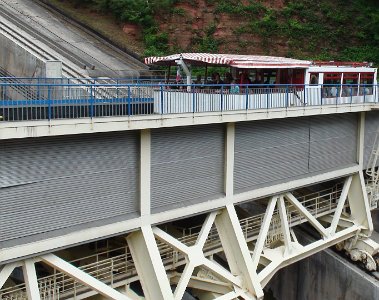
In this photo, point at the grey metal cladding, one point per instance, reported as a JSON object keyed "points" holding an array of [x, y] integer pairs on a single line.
{"points": [[187, 165], [53, 183], [278, 150], [267, 151], [371, 128], [333, 141]]}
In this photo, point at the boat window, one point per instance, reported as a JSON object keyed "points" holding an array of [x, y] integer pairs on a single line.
{"points": [[332, 84], [313, 78], [366, 84], [350, 84]]}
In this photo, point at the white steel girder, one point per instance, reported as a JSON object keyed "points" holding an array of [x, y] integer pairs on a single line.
{"points": [[244, 279], [249, 270]]}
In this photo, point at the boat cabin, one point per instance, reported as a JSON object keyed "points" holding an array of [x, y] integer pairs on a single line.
{"points": [[260, 82]]}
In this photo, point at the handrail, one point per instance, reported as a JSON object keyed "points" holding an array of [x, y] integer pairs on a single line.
{"points": [[49, 99]]}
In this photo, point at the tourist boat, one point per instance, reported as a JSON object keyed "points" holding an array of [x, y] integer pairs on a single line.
{"points": [[276, 82]]}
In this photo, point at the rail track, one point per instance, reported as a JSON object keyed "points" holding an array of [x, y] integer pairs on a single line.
{"points": [[10, 15]]}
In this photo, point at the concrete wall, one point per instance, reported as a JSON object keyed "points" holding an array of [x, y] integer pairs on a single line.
{"points": [[323, 276], [19, 62]]}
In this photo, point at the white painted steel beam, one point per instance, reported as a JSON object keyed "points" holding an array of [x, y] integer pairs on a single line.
{"points": [[299, 253], [284, 225], [149, 265], [30, 278], [263, 232], [145, 174], [311, 219], [5, 272], [67, 268], [359, 203], [237, 251], [361, 139], [340, 205], [229, 159]]}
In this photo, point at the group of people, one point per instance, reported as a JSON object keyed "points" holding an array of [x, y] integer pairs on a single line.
{"points": [[230, 84]]}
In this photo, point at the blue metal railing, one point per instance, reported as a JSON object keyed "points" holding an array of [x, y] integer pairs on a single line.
{"points": [[50, 99]]}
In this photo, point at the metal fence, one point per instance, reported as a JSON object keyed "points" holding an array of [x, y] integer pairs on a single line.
{"points": [[24, 99]]}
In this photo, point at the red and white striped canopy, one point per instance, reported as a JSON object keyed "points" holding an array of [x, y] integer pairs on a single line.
{"points": [[238, 61]]}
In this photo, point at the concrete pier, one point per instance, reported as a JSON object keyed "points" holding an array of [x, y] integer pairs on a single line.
{"points": [[323, 276]]}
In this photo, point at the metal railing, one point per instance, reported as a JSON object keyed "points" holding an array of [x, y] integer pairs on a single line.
{"points": [[41, 99], [116, 266]]}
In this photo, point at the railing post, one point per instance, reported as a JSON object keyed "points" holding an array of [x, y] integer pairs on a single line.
{"points": [[351, 95], [338, 94], [287, 103], [193, 98], [267, 97], [161, 89], [305, 101], [91, 102], [49, 102], [247, 97], [222, 98], [364, 93], [129, 113]]}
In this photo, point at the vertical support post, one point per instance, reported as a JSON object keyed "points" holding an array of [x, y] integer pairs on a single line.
{"points": [[361, 139], [30, 278], [145, 165], [229, 159]]}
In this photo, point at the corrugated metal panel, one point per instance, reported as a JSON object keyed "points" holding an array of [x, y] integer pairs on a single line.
{"points": [[267, 151], [187, 165], [54, 183], [371, 127], [274, 151], [333, 141]]}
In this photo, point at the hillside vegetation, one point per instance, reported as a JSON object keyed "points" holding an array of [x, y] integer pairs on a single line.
{"points": [[325, 30]]}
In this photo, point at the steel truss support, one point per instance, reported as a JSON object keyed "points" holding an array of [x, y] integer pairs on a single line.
{"points": [[248, 273], [248, 270]]}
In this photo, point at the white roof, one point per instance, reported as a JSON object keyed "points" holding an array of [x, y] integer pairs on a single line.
{"points": [[233, 60]]}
